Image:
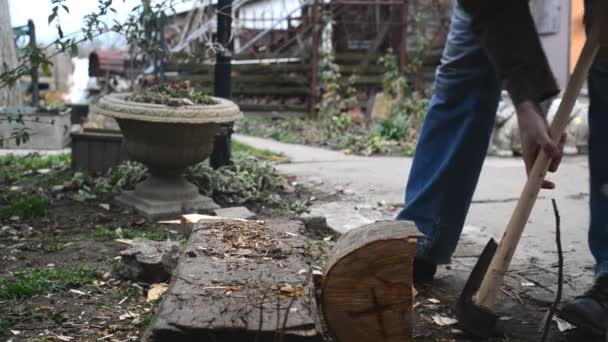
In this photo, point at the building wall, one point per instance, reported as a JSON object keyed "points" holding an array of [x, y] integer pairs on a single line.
{"points": [[558, 12]]}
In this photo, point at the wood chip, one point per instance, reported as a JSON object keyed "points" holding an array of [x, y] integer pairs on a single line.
{"points": [[80, 293], [156, 292], [443, 320]]}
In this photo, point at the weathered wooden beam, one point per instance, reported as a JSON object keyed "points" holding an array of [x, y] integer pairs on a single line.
{"points": [[240, 281]]}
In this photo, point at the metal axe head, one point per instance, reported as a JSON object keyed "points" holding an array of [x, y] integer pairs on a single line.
{"points": [[473, 318]]}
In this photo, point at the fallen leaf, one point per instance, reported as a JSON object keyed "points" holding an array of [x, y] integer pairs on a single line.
{"points": [[563, 325], [327, 238], [128, 314], [527, 284], [291, 291], [80, 293], [125, 241], [443, 320], [43, 308], [434, 301], [16, 332], [105, 206], [64, 338], [156, 292]]}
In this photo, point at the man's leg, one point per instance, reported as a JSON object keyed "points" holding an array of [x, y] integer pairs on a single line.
{"points": [[453, 143], [590, 311], [598, 161]]}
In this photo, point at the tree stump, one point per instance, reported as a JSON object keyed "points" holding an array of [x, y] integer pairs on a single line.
{"points": [[367, 287]]}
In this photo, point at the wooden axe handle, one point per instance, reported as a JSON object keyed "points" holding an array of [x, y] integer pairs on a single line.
{"points": [[494, 278]]}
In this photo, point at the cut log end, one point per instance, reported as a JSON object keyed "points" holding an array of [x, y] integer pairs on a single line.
{"points": [[367, 287]]}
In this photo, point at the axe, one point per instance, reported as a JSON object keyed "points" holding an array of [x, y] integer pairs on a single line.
{"points": [[474, 307]]}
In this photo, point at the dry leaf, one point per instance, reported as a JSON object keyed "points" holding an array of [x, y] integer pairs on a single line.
{"points": [[125, 241], [80, 293], [443, 320], [128, 314], [563, 325], [156, 292], [64, 338], [434, 301]]}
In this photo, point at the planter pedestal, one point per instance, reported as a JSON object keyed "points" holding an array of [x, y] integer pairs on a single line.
{"points": [[167, 140], [166, 197]]}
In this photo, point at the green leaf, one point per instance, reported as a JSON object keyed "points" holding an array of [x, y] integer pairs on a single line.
{"points": [[74, 50], [52, 16], [67, 10], [60, 32], [46, 70]]}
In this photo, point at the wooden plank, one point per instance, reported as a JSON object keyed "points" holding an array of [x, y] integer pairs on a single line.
{"points": [[231, 285], [282, 78], [367, 287], [242, 68], [254, 107]]}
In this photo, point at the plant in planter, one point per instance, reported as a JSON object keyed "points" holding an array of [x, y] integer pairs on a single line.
{"points": [[167, 129]]}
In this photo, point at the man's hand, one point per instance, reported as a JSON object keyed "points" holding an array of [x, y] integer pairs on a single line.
{"points": [[534, 132]]}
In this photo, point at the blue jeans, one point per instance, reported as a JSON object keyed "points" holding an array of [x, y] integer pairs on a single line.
{"points": [[454, 140]]}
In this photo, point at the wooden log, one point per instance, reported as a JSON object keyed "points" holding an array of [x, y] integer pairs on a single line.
{"points": [[240, 281], [366, 293]]}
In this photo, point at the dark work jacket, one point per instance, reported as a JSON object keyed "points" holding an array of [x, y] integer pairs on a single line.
{"points": [[509, 37]]}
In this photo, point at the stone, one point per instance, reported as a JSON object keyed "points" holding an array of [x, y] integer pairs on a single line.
{"points": [[224, 291], [235, 213], [149, 261], [356, 115], [381, 107], [160, 198], [314, 223]]}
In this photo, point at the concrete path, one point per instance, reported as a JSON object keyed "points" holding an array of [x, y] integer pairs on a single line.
{"points": [[369, 181]]}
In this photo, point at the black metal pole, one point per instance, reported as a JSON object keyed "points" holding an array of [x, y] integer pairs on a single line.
{"points": [[160, 60], [31, 29], [222, 86]]}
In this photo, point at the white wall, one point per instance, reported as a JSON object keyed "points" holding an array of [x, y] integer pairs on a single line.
{"points": [[557, 46]]}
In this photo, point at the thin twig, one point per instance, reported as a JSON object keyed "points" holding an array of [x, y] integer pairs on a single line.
{"points": [[560, 274], [284, 327]]}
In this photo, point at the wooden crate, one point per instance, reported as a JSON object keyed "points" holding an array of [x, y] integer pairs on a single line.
{"points": [[96, 151]]}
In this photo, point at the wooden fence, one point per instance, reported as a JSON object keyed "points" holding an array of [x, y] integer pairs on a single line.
{"points": [[282, 82]]}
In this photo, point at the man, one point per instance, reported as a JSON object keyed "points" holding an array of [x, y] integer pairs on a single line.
{"points": [[493, 43]]}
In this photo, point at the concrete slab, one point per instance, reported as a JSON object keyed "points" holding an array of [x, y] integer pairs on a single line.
{"points": [[47, 130], [374, 179]]}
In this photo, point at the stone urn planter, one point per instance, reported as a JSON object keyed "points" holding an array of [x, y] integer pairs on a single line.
{"points": [[167, 140]]}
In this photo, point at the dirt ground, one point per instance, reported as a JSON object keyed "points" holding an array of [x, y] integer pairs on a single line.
{"points": [[86, 301]]}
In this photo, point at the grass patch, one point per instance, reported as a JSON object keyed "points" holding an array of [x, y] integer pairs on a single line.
{"points": [[240, 150], [5, 322], [145, 319], [52, 246], [15, 168], [34, 281], [25, 207], [103, 233]]}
